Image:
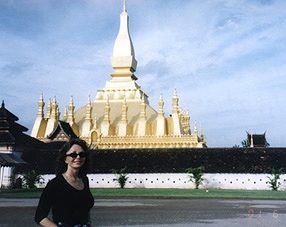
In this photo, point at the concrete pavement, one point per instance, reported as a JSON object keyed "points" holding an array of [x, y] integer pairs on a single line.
{"points": [[161, 212]]}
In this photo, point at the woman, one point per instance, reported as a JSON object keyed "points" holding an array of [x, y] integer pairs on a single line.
{"points": [[67, 195]]}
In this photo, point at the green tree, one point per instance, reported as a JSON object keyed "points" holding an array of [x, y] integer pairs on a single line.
{"points": [[121, 176], [244, 143], [196, 175], [273, 180], [31, 178]]}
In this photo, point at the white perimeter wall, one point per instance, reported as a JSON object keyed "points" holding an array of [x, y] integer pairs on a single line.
{"points": [[181, 180]]}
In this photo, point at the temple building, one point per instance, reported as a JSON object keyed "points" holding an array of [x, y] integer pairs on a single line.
{"points": [[13, 142], [257, 140], [120, 116]]}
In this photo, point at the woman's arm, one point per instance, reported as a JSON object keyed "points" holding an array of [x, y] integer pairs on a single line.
{"points": [[45, 204], [89, 220]]}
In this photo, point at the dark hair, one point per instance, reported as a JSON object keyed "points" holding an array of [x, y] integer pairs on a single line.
{"points": [[61, 166]]}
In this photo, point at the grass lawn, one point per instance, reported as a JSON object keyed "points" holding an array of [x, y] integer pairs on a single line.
{"points": [[161, 193]]}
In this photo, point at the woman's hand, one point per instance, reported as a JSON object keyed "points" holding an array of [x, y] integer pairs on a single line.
{"points": [[46, 222]]}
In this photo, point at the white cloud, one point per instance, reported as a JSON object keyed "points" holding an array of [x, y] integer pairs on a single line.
{"points": [[225, 58]]}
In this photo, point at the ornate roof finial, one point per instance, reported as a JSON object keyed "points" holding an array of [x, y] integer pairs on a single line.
{"points": [[88, 101], [201, 130], [161, 97], [175, 92], [71, 100], [55, 99], [3, 105], [124, 6]]}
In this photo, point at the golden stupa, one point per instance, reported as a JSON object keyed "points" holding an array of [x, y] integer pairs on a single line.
{"points": [[120, 117]]}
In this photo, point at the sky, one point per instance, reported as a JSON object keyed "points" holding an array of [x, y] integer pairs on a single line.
{"points": [[226, 59]]}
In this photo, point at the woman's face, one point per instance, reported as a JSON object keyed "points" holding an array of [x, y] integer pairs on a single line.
{"points": [[75, 157]]}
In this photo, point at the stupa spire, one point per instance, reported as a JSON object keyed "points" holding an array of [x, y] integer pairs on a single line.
{"points": [[123, 59], [161, 105], [124, 6], [41, 105], [175, 99]]}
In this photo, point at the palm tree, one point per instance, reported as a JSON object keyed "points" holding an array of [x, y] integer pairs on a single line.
{"points": [[196, 175], [121, 176], [274, 184]]}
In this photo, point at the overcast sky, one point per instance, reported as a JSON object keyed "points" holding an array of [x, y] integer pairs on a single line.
{"points": [[227, 59]]}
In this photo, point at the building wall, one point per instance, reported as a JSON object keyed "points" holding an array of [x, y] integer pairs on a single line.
{"points": [[5, 176], [181, 180]]}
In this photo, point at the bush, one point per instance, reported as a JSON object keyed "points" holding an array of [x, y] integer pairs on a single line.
{"points": [[167, 160], [31, 178]]}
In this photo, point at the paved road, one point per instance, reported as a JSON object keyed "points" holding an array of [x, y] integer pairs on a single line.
{"points": [[161, 212]]}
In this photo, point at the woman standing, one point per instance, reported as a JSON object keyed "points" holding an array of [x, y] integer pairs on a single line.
{"points": [[68, 195]]}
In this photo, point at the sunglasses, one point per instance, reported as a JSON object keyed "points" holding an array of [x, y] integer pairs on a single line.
{"points": [[74, 155]]}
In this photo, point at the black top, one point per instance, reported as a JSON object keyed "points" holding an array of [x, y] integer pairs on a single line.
{"points": [[68, 205]]}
